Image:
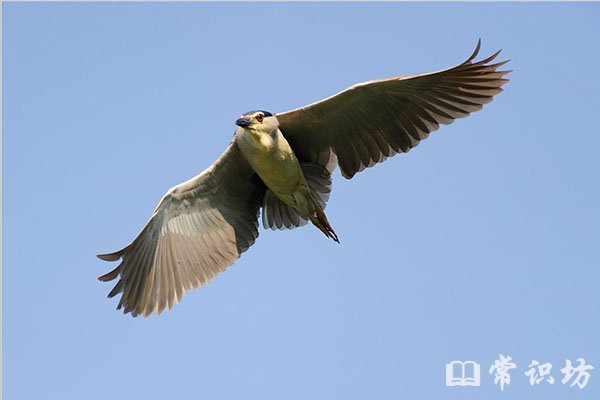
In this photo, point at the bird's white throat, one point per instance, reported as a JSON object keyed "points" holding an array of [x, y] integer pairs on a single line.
{"points": [[261, 139]]}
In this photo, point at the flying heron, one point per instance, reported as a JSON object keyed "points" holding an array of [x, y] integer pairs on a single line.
{"points": [[283, 163]]}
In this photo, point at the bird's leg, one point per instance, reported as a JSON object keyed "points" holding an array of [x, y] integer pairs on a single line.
{"points": [[320, 220]]}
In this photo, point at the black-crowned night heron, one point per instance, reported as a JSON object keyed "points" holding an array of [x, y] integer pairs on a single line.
{"points": [[283, 163]]}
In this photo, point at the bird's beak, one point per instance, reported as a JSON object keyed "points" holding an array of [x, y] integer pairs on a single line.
{"points": [[243, 122]]}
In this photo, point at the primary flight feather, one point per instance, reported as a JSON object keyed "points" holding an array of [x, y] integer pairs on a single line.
{"points": [[283, 163]]}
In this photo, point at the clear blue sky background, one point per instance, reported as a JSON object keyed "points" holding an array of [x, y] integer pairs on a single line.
{"points": [[483, 240]]}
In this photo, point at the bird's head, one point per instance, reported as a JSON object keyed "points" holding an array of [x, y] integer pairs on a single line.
{"points": [[258, 121]]}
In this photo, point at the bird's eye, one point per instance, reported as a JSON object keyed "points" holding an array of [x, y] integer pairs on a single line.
{"points": [[260, 117]]}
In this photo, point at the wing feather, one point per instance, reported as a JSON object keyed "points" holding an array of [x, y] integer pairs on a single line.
{"points": [[369, 122], [198, 229]]}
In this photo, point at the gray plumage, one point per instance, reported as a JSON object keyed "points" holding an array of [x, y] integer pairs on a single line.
{"points": [[283, 163]]}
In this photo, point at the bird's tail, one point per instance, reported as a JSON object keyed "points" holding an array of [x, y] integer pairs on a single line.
{"points": [[319, 219]]}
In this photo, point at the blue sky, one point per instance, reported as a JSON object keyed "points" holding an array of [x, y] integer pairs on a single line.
{"points": [[482, 241]]}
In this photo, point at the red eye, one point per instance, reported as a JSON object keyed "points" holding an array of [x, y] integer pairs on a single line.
{"points": [[260, 117]]}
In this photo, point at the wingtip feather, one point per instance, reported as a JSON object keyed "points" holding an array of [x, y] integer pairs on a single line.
{"points": [[113, 256], [111, 275], [475, 52], [107, 257]]}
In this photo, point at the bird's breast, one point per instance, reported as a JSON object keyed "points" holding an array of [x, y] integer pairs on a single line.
{"points": [[273, 160]]}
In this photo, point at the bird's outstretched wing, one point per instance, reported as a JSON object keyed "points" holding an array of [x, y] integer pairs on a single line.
{"points": [[199, 228], [370, 121]]}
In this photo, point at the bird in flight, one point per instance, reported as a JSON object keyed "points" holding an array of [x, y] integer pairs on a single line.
{"points": [[283, 163]]}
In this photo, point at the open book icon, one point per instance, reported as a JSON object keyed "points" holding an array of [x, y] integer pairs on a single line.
{"points": [[462, 373]]}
